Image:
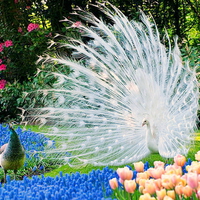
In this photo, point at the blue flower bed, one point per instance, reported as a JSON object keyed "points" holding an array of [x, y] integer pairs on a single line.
{"points": [[76, 186]]}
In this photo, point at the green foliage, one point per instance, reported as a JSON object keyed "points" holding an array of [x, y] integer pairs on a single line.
{"points": [[12, 96]]}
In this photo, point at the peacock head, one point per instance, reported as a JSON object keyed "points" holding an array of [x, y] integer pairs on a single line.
{"points": [[145, 122]]}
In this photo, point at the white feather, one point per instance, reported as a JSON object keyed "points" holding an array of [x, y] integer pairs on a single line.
{"points": [[126, 74]]}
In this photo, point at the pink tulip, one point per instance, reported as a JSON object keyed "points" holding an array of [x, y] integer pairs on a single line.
{"points": [[178, 189], [167, 198], [161, 194], [158, 184], [173, 169], [139, 166], [159, 164], [113, 183], [130, 186], [171, 193], [125, 174], [149, 187], [156, 173], [167, 181], [142, 175], [146, 197], [179, 160], [192, 180], [187, 191]]}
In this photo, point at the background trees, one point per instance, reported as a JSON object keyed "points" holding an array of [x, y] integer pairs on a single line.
{"points": [[179, 17]]}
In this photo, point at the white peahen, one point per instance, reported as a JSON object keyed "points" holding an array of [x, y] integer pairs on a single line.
{"points": [[126, 97]]}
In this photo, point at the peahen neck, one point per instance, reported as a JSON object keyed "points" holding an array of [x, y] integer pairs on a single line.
{"points": [[14, 142]]}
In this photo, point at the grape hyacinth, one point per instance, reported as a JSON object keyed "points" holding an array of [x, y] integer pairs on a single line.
{"points": [[76, 186]]}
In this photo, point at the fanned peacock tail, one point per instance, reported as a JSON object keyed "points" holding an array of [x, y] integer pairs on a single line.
{"points": [[122, 76]]}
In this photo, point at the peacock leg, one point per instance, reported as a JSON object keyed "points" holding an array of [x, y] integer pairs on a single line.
{"points": [[15, 174]]}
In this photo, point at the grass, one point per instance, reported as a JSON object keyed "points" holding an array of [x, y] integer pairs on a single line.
{"points": [[150, 159]]}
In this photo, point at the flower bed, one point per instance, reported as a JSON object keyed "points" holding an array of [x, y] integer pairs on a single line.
{"points": [[92, 186], [180, 180]]}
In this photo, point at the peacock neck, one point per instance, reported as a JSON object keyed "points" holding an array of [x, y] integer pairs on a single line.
{"points": [[151, 139]]}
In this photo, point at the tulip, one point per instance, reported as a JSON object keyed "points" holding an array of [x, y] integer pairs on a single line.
{"points": [[159, 164], [195, 167], [130, 186], [167, 198], [167, 182], [161, 194], [142, 175], [139, 166], [187, 191], [175, 179], [146, 197], [158, 184], [173, 169], [182, 181], [141, 182], [192, 180], [197, 156], [171, 193], [113, 183], [178, 189], [179, 160], [149, 187], [156, 173], [125, 174]]}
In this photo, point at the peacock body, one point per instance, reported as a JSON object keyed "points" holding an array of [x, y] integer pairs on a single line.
{"points": [[126, 97]]}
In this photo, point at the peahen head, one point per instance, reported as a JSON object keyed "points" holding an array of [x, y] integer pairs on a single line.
{"points": [[14, 139]]}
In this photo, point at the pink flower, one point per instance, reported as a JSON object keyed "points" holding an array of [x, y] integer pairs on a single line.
{"points": [[156, 173], [130, 186], [1, 61], [8, 43], [124, 174], [159, 164], [113, 183], [2, 84], [161, 194], [187, 191], [180, 160], [20, 30], [139, 166], [32, 27], [2, 67], [192, 180], [1, 47], [76, 24], [149, 187], [16, 1]]}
